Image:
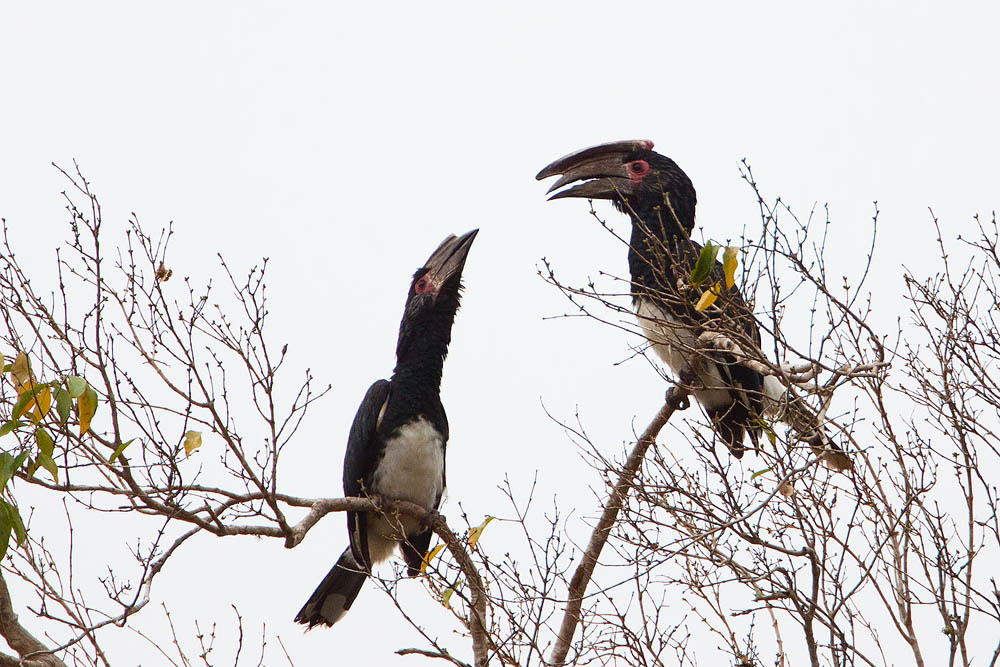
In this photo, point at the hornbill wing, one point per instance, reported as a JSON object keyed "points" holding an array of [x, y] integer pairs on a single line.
{"points": [[747, 383], [359, 462]]}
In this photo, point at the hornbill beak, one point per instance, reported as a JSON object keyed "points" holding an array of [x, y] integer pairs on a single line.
{"points": [[448, 260], [601, 166]]}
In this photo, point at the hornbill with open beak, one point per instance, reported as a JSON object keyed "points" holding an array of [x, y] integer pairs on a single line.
{"points": [[660, 200], [396, 447]]}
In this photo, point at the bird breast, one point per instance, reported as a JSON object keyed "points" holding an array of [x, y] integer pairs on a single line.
{"points": [[412, 465], [674, 343]]}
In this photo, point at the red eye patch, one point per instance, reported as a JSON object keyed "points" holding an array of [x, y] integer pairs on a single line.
{"points": [[637, 169], [422, 285]]}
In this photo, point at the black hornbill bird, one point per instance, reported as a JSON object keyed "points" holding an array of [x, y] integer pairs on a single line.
{"points": [[396, 447], [660, 200]]}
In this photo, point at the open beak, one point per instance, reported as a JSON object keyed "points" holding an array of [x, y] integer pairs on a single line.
{"points": [[601, 168], [448, 260]]}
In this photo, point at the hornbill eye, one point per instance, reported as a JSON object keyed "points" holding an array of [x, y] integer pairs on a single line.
{"points": [[638, 168], [421, 285]]}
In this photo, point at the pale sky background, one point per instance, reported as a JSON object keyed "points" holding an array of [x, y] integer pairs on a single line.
{"points": [[345, 140]]}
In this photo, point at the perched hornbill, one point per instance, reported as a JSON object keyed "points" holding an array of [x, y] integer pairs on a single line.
{"points": [[660, 200], [396, 447]]}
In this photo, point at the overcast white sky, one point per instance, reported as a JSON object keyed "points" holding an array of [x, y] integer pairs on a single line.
{"points": [[345, 140]]}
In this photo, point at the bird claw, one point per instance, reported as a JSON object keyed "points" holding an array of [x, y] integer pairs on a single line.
{"points": [[678, 397], [378, 501]]}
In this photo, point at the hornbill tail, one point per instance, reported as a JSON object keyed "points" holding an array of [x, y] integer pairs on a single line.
{"points": [[335, 594]]}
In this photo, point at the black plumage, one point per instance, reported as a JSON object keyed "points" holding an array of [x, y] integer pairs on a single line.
{"points": [[660, 200], [396, 446]]}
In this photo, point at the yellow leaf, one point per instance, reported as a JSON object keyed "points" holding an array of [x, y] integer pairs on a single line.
{"points": [[446, 597], [87, 405], [20, 373], [429, 557], [708, 297], [729, 263], [43, 401], [192, 441], [474, 533]]}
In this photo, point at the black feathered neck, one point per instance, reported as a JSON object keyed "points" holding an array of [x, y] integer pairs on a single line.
{"points": [[662, 221], [424, 337]]}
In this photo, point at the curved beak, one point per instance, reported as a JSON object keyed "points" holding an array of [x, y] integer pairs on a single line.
{"points": [[601, 167], [448, 260]]}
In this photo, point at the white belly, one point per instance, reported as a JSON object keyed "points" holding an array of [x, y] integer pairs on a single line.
{"points": [[412, 468], [675, 343]]}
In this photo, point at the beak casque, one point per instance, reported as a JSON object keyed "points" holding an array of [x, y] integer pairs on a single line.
{"points": [[449, 258], [600, 166]]}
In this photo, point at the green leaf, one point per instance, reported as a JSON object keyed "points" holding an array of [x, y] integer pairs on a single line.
{"points": [[88, 408], [6, 469], [6, 525], [761, 472], [64, 404], [10, 426], [119, 450], [13, 516], [20, 532], [45, 444], [76, 385], [729, 263], [706, 261], [26, 399], [767, 431], [50, 466]]}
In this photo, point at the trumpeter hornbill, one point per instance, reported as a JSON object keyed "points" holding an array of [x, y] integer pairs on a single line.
{"points": [[396, 447], [660, 200]]}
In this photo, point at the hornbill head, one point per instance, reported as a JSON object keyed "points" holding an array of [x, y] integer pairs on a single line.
{"points": [[630, 174], [434, 291]]}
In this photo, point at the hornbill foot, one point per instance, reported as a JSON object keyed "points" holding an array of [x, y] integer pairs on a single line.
{"points": [[377, 500], [430, 520], [678, 394], [678, 397]]}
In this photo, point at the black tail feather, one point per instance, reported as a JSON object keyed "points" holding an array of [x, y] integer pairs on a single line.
{"points": [[334, 596], [414, 548]]}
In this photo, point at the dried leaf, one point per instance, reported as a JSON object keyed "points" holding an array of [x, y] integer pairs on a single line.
{"points": [[163, 273], [20, 373], [786, 489], [192, 441]]}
